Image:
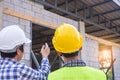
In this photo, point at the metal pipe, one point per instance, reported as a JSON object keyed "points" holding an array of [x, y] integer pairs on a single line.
{"points": [[35, 60]]}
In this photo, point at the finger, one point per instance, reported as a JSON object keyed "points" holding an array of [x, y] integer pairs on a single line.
{"points": [[46, 45], [43, 47]]}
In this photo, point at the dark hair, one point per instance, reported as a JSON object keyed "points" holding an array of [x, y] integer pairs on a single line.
{"points": [[21, 48], [12, 54], [70, 54]]}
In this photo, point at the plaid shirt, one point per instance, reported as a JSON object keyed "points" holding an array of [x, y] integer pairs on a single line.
{"points": [[13, 70], [74, 63]]}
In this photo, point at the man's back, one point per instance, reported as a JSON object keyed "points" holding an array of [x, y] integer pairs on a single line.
{"points": [[9, 69], [13, 70], [77, 73]]}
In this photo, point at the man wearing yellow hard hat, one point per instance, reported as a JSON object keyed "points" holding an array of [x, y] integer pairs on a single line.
{"points": [[68, 42]]}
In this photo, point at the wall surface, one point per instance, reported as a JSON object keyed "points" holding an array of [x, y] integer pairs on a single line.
{"points": [[116, 54], [90, 53], [1, 8]]}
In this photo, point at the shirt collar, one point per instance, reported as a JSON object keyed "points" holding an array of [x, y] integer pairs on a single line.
{"points": [[74, 63], [8, 60]]}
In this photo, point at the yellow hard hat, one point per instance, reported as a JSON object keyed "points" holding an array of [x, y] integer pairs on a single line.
{"points": [[67, 39]]}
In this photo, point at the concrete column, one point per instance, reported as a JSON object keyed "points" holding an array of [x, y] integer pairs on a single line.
{"points": [[1, 9], [81, 29]]}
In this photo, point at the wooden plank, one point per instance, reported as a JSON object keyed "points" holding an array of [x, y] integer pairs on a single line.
{"points": [[29, 18], [102, 40], [51, 25]]}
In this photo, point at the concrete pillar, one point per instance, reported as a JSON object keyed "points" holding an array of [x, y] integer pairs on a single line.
{"points": [[1, 9], [81, 29]]}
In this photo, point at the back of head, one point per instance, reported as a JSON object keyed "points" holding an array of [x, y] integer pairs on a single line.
{"points": [[11, 37], [67, 39]]}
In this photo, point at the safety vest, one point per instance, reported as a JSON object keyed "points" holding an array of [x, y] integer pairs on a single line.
{"points": [[77, 73]]}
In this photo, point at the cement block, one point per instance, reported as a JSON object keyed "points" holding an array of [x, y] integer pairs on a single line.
{"points": [[17, 3], [23, 22], [27, 62], [28, 29], [37, 9], [27, 6], [27, 56], [8, 1], [39, 5], [1, 14], [23, 56], [22, 27], [28, 35], [69, 21], [28, 12], [27, 48], [38, 15], [29, 2], [19, 9], [55, 21], [48, 19], [8, 23], [5, 23], [12, 19], [4, 17], [8, 5], [75, 24]]}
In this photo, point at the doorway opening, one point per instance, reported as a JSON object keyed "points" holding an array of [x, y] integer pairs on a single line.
{"points": [[106, 60], [41, 35]]}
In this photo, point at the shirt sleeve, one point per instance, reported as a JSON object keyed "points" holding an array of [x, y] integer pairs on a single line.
{"points": [[28, 73]]}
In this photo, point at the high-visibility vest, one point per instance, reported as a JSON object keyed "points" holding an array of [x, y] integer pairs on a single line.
{"points": [[77, 73]]}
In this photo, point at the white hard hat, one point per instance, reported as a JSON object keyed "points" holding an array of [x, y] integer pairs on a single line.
{"points": [[11, 37]]}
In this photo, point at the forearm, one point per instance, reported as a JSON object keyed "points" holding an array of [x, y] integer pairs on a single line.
{"points": [[45, 66]]}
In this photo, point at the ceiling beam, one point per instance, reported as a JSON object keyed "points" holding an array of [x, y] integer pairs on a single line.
{"points": [[61, 4], [118, 42], [45, 38], [99, 29], [85, 7], [101, 3], [114, 37], [105, 13], [94, 31], [79, 17], [40, 31], [115, 19], [108, 36]]}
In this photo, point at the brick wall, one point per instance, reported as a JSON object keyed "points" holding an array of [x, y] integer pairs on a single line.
{"points": [[25, 25], [90, 53], [36, 10]]}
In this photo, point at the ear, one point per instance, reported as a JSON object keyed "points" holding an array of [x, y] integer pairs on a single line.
{"points": [[18, 51]]}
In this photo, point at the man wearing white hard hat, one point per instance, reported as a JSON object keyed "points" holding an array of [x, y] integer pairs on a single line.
{"points": [[12, 41]]}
